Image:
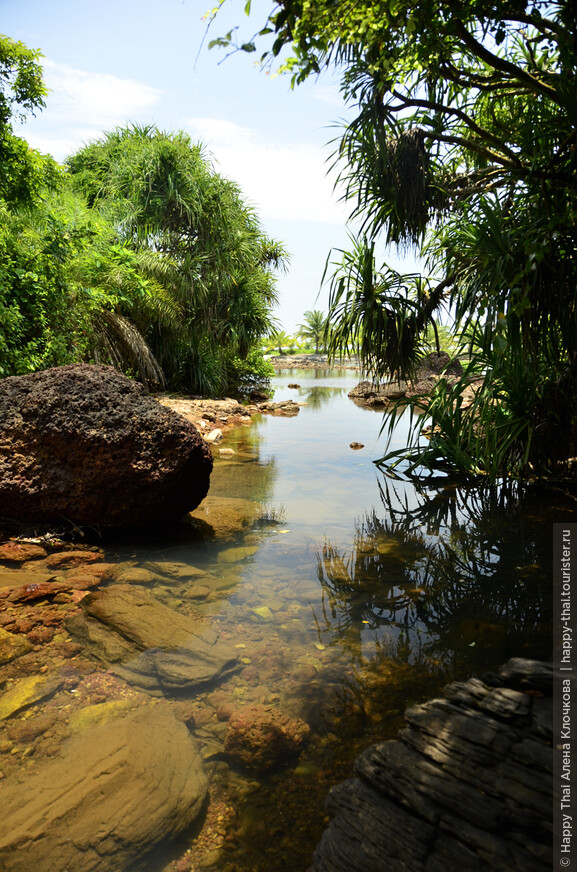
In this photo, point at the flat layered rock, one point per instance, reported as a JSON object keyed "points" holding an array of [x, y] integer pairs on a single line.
{"points": [[116, 791], [467, 785], [177, 670], [155, 647]]}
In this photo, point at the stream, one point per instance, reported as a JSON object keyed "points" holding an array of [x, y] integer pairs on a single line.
{"points": [[357, 595], [349, 595]]}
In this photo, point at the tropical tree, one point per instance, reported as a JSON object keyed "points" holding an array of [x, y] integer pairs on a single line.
{"points": [[140, 255], [314, 329], [38, 325], [377, 314], [23, 171], [280, 340], [202, 243], [63, 279], [464, 147]]}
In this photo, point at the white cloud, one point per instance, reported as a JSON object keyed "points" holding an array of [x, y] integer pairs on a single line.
{"points": [[218, 130], [81, 105], [284, 180], [330, 95], [97, 99]]}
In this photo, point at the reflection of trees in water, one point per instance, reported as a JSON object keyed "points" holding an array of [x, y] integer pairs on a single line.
{"points": [[317, 397], [247, 474], [371, 585], [447, 570]]}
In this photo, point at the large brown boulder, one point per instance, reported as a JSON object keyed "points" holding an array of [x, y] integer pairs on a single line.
{"points": [[114, 793], [86, 444]]}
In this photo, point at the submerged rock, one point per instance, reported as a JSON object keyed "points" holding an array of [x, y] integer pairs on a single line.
{"points": [[17, 552], [116, 790], [86, 444], [178, 669], [224, 517], [12, 646], [260, 737], [27, 691], [157, 648]]}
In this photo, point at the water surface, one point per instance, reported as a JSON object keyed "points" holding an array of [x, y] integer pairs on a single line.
{"points": [[348, 595], [358, 594]]}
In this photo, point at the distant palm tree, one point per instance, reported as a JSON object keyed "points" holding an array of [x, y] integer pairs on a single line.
{"points": [[313, 329], [279, 340]]}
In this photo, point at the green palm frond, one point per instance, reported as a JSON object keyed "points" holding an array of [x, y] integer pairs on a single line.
{"points": [[126, 347], [380, 315]]}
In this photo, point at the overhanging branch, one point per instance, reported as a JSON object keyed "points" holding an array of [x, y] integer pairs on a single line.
{"points": [[504, 66], [457, 113]]}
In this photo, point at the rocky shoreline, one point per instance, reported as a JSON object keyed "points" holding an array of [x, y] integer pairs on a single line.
{"points": [[312, 361], [85, 446], [118, 703], [98, 663], [213, 418]]}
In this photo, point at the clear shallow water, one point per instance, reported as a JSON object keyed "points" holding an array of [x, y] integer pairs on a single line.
{"points": [[380, 558], [348, 596], [366, 594]]}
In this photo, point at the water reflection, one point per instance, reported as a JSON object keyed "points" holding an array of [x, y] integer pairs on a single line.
{"points": [[319, 396], [462, 576]]}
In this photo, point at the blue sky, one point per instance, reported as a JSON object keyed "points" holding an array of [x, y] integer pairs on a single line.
{"points": [[112, 61]]}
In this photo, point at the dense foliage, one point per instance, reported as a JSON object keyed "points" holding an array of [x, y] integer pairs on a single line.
{"points": [[36, 326], [137, 253], [205, 249], [464, 146], [23, 172]]}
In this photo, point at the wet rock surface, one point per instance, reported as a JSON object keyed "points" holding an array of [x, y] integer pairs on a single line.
{"points": [[141, 781], [98, 766], [134, 627], [224, 517], [467, 784], [86, 444], [12, 646], [156, 648]]}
